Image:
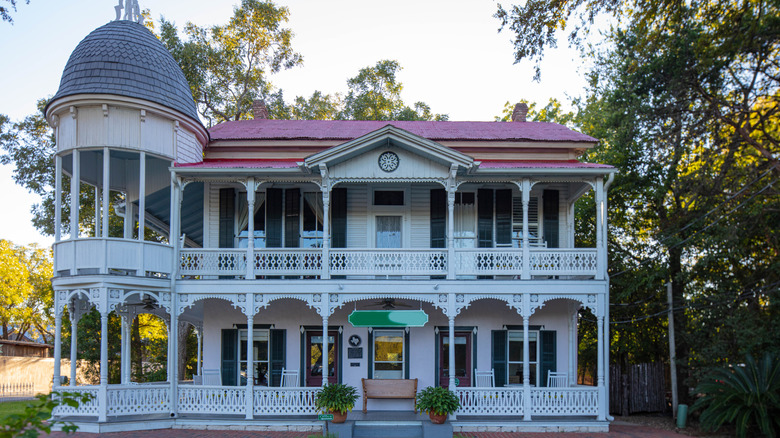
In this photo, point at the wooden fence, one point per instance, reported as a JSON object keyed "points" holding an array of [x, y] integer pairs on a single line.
{"points": [[16, 391], [641, 389]]}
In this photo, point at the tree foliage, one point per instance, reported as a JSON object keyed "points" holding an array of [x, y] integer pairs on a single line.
{"points": [[5, 11], [228, 66], [26, 296], [35, 418]]}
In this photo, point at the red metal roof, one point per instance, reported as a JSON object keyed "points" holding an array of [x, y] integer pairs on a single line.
{"points": [[548, 164], [263, 129]]}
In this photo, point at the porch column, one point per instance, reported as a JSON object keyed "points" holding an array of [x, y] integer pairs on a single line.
{"points": [[526, 359], [125, 353], [106, 189], [199, 332], [56, 380], [451, 352], [601, 261], [173, 365], [250, 361], [74, 200], [141, 198], [602, 413], [57, 202], [74, 337], [96, 207], [451, 234], [526, 198], [325, 314], [103, 391], [127, 226], [250, 247], [573, 341], [326, 232]]}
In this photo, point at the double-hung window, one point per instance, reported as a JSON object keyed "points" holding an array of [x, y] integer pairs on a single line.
{"points": [[389, 354], [515, 356]]}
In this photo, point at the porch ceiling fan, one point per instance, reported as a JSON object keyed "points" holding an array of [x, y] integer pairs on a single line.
{"points": [[388, 304], [147, 302]]}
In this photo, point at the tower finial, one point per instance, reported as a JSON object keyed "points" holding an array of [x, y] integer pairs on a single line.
{"points": [[132, 11]]}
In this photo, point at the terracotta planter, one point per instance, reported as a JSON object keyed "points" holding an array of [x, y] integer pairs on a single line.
{"points": [[338, 417], [437, 419]]}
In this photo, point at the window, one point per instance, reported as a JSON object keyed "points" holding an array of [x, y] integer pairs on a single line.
{"points": [[533, 222], [388, 197], [311, 235], [260, 356], [311, 232], [515, 356], [389, 353], [243, 220]]}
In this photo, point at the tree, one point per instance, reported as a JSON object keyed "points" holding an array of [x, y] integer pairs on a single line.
{"points": [[552, 112], [27, 297], [228, 66], [5, 11]]}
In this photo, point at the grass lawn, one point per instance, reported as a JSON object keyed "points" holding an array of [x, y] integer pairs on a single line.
{"points": [[14, 407]]}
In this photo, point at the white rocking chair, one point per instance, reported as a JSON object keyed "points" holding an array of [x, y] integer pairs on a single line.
{"points": [[557, 379], [485, 379], [211, 377], [289, 378]]}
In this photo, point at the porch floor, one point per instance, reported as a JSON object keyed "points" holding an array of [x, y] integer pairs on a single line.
{"points": [[298, 423]]}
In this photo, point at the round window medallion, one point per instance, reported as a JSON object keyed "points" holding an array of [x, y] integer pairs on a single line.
{"points": [[388, 161]]}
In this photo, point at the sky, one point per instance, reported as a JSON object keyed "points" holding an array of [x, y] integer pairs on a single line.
{"points": [[452, 55]]}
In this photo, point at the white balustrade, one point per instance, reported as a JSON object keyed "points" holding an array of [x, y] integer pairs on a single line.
{"points": [[138, 399], [559, 261], [285, 401], [376, 261], [88, 409], [213, 261], [490, 401], [564, 401], [397, 262], [197, 399], [288, 261], [95, 255], [488, 261]]}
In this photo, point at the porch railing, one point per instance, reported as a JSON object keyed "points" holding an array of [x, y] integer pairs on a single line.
{"points": [[393, 262], [197, 399], [138, 399], [564, 401], [285, 401], [88, 409], [96, 255], [490, 401]]}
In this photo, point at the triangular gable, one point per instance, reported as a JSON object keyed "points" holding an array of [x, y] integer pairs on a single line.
{"points": [[390, 137]]}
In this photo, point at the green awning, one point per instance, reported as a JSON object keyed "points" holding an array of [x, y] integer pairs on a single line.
{"points": [[388, 318]]}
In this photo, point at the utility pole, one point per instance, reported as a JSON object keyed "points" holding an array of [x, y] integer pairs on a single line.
{"points": [[672, 354]]}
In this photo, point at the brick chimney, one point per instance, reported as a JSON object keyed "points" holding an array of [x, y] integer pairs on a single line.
{"points": [[521, 110], [259, 110]]}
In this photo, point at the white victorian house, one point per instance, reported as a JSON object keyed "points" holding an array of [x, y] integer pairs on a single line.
{"points": [[438, 251]]}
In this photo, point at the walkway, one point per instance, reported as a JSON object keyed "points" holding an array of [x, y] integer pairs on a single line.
{"points": [[616, 431]]}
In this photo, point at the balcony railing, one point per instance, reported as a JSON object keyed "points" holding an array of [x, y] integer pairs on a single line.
{"points": [[95, 255], [399, 263]]}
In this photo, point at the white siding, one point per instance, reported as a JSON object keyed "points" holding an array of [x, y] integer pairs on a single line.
{"points": [[91, 127], [125, 129], [188, 150], [212, 216], [410, 166]]}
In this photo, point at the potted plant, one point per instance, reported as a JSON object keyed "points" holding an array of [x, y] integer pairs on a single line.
{"points": [[337, 399], [438, 402]]}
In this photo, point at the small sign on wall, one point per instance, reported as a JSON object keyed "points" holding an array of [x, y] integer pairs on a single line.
{"points": [[355, 353]]}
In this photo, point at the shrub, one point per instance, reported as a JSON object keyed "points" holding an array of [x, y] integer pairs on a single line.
{"points": [[748, 396], [436, 399], [336, 397]]}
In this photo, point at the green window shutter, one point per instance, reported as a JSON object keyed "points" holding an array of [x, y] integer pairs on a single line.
{"points": [[550, 216], [370, 352], [499, 362], [292, 218], [229, 357], [338, 218], [227, 212], [485, 218], [407, 353], [548, 353], [273, 221], [503, 217], [438, 218], [278, 350]]}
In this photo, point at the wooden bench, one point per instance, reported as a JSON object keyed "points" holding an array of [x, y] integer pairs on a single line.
{"points": [[389, 388]]}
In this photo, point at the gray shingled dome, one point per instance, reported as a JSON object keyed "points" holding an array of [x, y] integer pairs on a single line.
{"points": [[124, 58]]}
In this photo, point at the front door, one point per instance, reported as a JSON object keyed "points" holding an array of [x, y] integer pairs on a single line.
{"points": [[313, 373], [462, 359]]}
